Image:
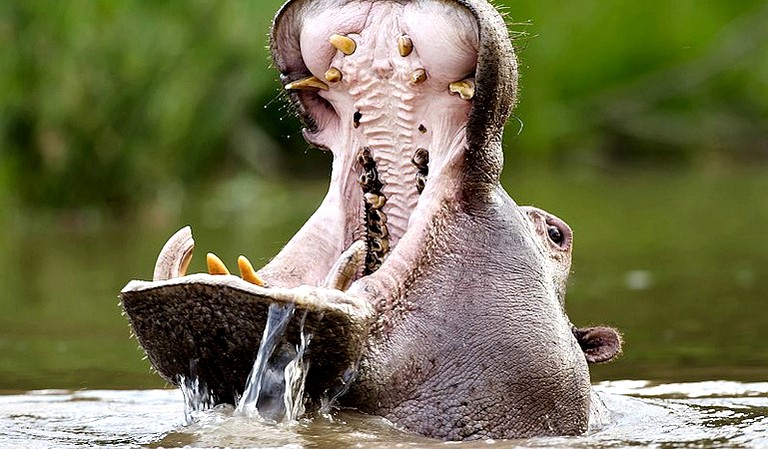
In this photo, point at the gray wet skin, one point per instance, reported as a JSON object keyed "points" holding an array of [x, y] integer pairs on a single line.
{"points": [[459, 302]]}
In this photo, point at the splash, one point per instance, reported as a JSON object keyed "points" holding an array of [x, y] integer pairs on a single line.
{"points": [[197, 397]]}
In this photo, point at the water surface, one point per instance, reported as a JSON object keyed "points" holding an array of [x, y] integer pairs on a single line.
{"points": [[705, 415]]}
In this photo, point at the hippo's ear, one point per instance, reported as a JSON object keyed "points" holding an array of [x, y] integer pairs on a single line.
{"points": [[600, 344]]}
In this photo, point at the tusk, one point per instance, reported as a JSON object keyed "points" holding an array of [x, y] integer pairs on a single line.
{"points": [[347, 266], [310, 83], [465, 89], [333, 75], [215, 265], [418, 76], [175, 256], [344, 44], [405, 45], [248, 273]]}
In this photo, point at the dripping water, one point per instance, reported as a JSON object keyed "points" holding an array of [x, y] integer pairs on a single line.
{"points": [[341, 388], [296, 376], [197, 397], [275, 388]]}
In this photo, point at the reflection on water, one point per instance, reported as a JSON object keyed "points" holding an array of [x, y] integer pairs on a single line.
{"points": [[705, 415]]}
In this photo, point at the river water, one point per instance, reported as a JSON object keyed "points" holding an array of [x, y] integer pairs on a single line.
{"points": [[677, 261], [703, 414]]}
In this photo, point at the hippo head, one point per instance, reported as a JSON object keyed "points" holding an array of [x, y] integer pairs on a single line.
{"points": [[420, 272]]}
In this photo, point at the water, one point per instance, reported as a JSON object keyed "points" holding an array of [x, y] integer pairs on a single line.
{"points": [[274, 391], [275, 387], [266, 381], [704, 414], [675, 260]]}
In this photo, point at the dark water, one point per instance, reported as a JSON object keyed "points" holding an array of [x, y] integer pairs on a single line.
{"points": [[677, 261]]}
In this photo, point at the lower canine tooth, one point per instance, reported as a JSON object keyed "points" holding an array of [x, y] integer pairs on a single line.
{"points": [[310, 83], [465, 89], [346, 267], [215, 265], [344, 44], [248, 273], [175, 256]]}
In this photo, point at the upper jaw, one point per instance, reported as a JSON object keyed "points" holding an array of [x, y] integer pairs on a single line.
{"points": [[371, 74], [495, 74]]}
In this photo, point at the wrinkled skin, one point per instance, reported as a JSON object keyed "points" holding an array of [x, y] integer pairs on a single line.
{"points": [[455, 322]]}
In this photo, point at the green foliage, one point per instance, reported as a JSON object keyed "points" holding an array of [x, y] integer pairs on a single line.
{"points": [[107, 104], [679, 82], [104, 103]]}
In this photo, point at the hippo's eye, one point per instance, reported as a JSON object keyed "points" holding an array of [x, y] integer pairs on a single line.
{"points": [[555, 235]]}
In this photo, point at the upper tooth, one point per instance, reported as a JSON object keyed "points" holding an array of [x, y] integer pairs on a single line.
{"points": [[376, 201], [465, 89], [405, 45], [343, 43], [378, 245], [418, 76], [333, 75], [421, 158], [364, 157], [309, 83]]}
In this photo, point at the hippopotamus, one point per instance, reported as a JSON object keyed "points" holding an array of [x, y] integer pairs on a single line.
{"points": [[434, 300]]}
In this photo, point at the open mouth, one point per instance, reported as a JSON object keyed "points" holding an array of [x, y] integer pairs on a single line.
{"points": [[411, 98], [388, 87], [380, 94]]}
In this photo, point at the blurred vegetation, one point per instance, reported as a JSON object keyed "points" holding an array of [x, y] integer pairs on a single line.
{"points": [[105, 105]]}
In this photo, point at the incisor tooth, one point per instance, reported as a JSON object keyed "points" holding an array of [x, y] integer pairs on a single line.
{"points": [[215, 265], [333, 75], [306, 84], [405, 45], [344, 44], [465, 89], [418, 76], [248, 273]]}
